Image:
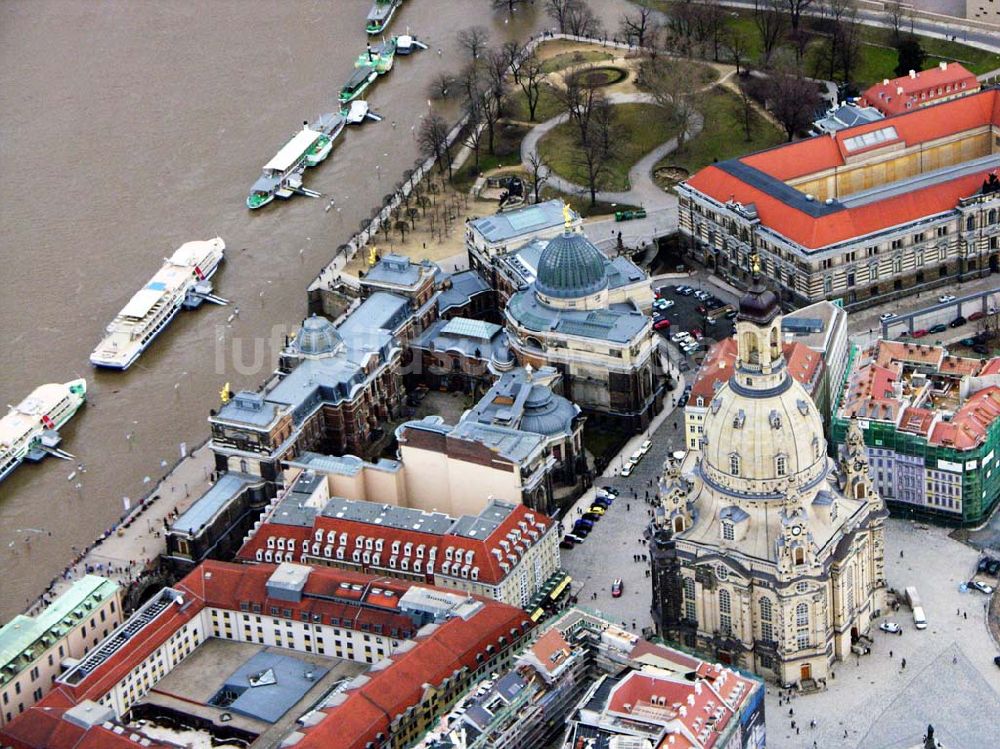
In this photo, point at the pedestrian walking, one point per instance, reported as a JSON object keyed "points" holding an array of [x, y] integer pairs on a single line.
{"points": [[890, 654], [900, 553], [904, 663], [628, 507]]}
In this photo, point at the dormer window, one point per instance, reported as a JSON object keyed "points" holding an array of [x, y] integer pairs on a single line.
{"points": [[774, 419], [734, 464], [739, 419], [699, 401], [781, 465], [815, 445]]}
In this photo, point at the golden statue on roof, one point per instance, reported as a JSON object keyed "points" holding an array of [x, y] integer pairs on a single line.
{"points": [[755, 263], [567, 215]]}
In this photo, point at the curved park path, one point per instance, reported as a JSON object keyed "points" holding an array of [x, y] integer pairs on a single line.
{"points": [[644, 191]]}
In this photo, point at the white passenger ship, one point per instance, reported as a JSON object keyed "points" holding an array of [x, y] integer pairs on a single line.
{"points": [[181, 280], [29, 429]]}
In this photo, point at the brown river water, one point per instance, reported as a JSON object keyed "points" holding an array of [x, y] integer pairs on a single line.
{"points": [[128, 128]]}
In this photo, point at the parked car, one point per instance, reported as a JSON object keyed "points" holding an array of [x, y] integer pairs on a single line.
{"points": [[983, 565], [890, 627], [945, 298], [981, 587], [920, 333], [685, 291], [664, 303], [939, 328], [981, 348], [661, 324], [580, 532], [627, 470], [703, 295], [701, 309], [567, 543], [604, 504], [994, 567], [968, 341], [596, 509], [996, 660], [682, 401], [576, 538], [611, 490], [958, 322], [697, 334], [977, 316], [886, 316], [680, 336], [616, 588], [731, 315], [636, 456], [584, 523], [645, 446]]}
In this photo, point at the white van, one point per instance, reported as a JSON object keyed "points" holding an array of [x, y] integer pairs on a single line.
{"points": [[919, 620]]}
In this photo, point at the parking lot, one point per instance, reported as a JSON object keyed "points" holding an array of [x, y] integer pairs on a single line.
{"points": [[684, 315]]}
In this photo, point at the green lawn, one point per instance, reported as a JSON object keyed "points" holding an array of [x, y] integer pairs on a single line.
{"points": [[703, 74], [568, 59], [722, 136], [640, 128], [516, 104], [507, 152], [878, 58]]}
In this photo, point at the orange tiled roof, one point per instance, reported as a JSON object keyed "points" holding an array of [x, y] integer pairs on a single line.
{"points": [[920, 89], [827, 152], [802, 362]]}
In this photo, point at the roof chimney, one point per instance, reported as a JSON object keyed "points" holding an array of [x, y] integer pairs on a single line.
{"points": [[899, 89], [913, 74], [885, 81]]}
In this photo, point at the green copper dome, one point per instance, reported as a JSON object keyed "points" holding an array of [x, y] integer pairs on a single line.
{"points": [[570, 267]]}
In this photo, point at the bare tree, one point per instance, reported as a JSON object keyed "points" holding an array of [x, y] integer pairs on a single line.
{"points": [[636, 26], [515, 55], [497, 67], [897, 16], [433, 141], [709, 21], [473, 134], [539, 172], [442, 86], [558, 11], [578, 100], [844, 45], [474, 40], [509, 5], [769, 18], [671, 86], [593, 157], [581, 21], [402, 227], [795, 10], [530, 82], [793, 101], [738, 42]]}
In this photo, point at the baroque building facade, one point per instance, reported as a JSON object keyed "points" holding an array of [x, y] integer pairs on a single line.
{"points": [[765, 553]]}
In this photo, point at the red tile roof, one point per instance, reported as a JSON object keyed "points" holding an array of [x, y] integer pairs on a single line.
{"points": [[436, 654], [820, 153], [803, 364], [490, 571], [923, 88]]}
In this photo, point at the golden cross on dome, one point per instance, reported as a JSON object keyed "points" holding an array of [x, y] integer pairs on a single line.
{"points": [[567, 216]]}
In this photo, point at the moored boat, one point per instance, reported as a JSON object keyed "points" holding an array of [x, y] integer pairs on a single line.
{"points": [[307, 147], [152, 308], [30, 429], [360, 80], [380, 15], [379, 57]]}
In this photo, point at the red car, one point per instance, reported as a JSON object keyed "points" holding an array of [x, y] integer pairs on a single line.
{"points": [[616, 588], [920, 333], [977, 316], [664, 323], [700, 309], [697, 334]]}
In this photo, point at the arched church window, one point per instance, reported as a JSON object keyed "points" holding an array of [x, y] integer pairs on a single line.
{"points": [[799, 556], [802, 615], [765, 609]]}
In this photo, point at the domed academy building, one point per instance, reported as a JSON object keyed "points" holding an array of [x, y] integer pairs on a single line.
{"points": [[764, 552], [572, 318]]}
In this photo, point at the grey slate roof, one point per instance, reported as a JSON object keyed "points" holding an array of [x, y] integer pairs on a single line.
{"points": [[211, 502], [847, 115], [613, 325], [396, 269], [531, 407], [510, 444], [464, 285], [503, 227], [463, 336], [381, 310]]}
